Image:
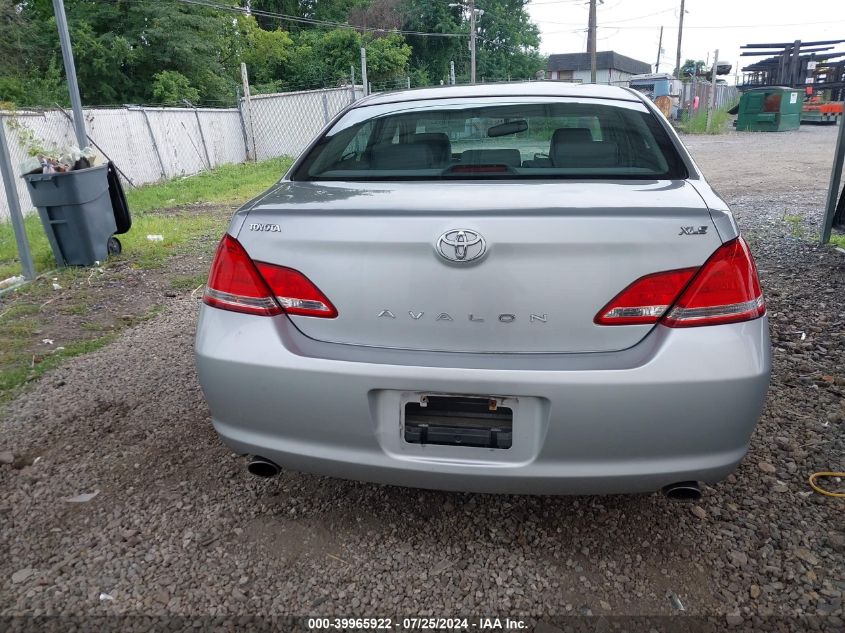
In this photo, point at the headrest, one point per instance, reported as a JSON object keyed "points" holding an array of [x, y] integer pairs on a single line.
{"points": [[439, 144], [510, 157], [586, 154], [571, 135], [401, 156]]}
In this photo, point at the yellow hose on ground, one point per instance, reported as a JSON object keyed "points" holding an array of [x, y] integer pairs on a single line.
{"points": [[821, 490]]}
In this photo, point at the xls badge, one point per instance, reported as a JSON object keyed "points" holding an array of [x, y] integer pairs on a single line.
{"points": [[693, 230]]}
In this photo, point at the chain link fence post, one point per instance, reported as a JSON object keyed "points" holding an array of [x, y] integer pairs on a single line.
{"points": [[835, 180], [364, 71], [148, 144], [70, 72], [202, 138], [244, 133], [245, 110], [326, 116], [15, 206], [155, 144]]}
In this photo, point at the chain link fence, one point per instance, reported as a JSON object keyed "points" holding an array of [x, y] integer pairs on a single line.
{"points": [[726, 96], [284, 124], [151, 144]]}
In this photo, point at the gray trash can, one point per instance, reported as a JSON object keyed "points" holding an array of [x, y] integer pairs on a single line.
{"points": [[76, 212]]}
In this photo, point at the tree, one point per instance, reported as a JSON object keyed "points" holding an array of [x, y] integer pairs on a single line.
{"points": [[120, 46], [328, 10], [325, 58], [336, 51], [431, 55], [46, 89], [141, 51], [267, 54], [691, 67], [29, 75], [508, 41], [172, 87], [387, 57], [379, 14]]}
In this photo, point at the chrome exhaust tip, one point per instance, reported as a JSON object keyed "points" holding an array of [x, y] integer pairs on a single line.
{"points": [[262, 467], [683, 491]]}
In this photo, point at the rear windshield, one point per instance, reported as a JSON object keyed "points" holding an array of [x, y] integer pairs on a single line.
{"points": [[469, 140]]}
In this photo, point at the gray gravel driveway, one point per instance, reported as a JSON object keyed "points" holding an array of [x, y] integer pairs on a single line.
{"points": [[179, 527]]}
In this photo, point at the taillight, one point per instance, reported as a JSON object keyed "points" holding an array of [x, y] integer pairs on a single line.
{"points": [[295, 292], [235, 284], [645, 300], [724, 290], [238, 284]]}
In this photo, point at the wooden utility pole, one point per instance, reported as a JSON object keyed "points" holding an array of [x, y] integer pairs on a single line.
{"points": [[364, 71], [680, 37], [247, 106], [472, 35], [591, 40], [711, 102], [659, 49]]}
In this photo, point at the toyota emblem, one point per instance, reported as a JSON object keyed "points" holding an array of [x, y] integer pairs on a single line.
{"points": [[461, 245]]}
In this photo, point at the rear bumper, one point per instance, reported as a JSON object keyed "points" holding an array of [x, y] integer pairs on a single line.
{"points": [[681, 405]]}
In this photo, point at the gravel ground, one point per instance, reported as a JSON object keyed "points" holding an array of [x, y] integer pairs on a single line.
{"points": [[179, 528]]}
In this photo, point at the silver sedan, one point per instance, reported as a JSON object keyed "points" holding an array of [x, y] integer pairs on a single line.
{"points": [[521, 288]]}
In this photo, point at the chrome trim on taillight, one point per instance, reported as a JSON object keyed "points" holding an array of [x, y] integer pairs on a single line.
{"points": [[302, 304], [692, 314], [640, 311], [220, 299]]}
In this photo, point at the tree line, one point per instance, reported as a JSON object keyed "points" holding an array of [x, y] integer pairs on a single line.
{"points": [[172, 51]]}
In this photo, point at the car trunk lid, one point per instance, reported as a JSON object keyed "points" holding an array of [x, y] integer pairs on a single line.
{"points": [[556, 253]]}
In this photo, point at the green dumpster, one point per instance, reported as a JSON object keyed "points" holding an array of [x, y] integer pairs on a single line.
{"points": [[773, 109]]}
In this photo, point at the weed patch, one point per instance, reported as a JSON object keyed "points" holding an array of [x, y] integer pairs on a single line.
{"points": [[697, 123], [227, 184], [73, 310]]}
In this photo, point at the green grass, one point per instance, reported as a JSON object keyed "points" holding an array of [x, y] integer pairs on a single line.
{"points": [[796, 222], [798, 230], [697, 124], [176, 230], [225, 184], [42, 256], [155, 211], [20, 325], [189, 283], [13, 377]]}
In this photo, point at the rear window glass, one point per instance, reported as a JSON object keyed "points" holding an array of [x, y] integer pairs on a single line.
{"points": [[433, 140]]}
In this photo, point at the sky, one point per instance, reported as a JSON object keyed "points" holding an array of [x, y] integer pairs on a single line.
{"points": [[632, 27]]}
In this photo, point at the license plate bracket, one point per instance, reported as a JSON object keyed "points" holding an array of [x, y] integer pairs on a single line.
{"points": [[458, 420]]}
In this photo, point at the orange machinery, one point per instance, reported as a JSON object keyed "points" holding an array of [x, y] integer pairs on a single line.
{"points": [[817, 110]]}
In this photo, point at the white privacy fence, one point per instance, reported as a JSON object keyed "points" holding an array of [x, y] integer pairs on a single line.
{"points": [[152, 144]]}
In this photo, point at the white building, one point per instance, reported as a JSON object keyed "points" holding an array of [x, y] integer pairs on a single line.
{"points": [[611, 67]]}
